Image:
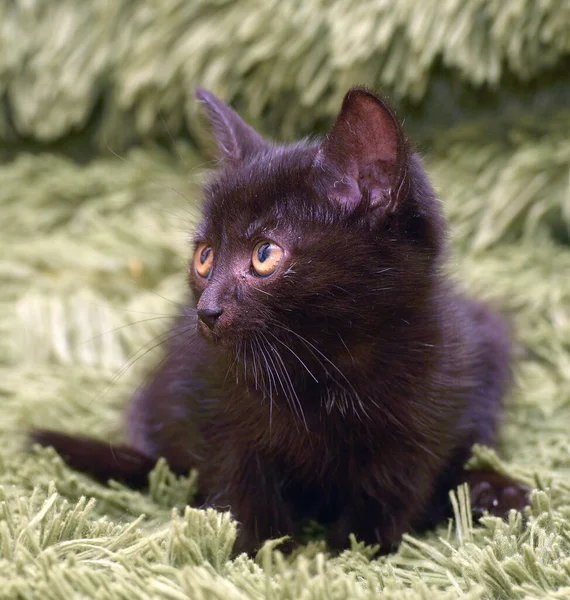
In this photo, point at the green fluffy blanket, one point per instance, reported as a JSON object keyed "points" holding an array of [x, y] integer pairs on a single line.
{"points": [[100, 164]]}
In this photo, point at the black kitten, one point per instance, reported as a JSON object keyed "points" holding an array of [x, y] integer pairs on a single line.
{"points": [[333, 373]]}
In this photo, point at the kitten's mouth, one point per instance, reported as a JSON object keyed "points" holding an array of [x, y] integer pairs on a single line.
{"points": [[211, 335], [205, 331]]}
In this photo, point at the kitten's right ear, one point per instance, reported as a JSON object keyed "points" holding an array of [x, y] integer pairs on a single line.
{"points": [[235, 138], [366, 152]]}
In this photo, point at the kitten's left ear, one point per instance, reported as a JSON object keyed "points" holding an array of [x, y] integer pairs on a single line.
{"points": [[366, 152], [236, 139]]}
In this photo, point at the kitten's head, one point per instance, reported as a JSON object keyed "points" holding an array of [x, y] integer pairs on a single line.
{"points": [[314, 247]]}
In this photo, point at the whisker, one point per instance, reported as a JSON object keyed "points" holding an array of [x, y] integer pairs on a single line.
{"points": [[262, 291], [171, 214], [276, 370], [293, 399], [232, 365], [241, 344], [142, 312], [179, 304], [295, 355], [183, 349], [345, 346], [115, 154], [271, 378], [310, 346], [174, 145], [100, 335], [172, 189], [251, 349], [313, 354], [143, 351]]}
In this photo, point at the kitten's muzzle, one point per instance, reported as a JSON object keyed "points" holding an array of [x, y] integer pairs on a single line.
{"points": [[210, 316]]}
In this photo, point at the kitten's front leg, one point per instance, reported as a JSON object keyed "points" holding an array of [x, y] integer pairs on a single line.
{"points": [[251, 490], [372, 521]]}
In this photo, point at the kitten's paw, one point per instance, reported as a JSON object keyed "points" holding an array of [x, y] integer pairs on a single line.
{"points": [[496, 494]]}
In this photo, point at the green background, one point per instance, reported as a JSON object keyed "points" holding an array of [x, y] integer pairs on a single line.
{"points": [[101, 158]]}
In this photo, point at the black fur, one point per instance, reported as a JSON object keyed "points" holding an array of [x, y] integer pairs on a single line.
{"points": [[350, 385]]}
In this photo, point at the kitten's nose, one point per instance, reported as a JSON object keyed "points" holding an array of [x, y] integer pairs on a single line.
{"points": [[209, 316]]}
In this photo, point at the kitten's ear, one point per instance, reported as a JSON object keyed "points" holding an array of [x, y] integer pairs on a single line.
{"points": [[366, 152], [235, 138]]}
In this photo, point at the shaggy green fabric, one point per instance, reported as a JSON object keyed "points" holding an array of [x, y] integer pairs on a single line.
{"points": [[98, 192]]}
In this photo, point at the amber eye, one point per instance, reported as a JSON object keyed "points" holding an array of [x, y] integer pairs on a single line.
{"points": [[203, 260], [265, 258]]}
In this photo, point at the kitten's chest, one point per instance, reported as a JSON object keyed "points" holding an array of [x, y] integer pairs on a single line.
{"points": [[320, 437]]}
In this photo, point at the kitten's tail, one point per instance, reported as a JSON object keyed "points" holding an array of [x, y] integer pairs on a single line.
{"points": [[101, 460]]}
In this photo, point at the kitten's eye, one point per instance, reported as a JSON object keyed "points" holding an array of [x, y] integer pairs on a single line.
{"points": [[265, 258], [203, 260]]}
